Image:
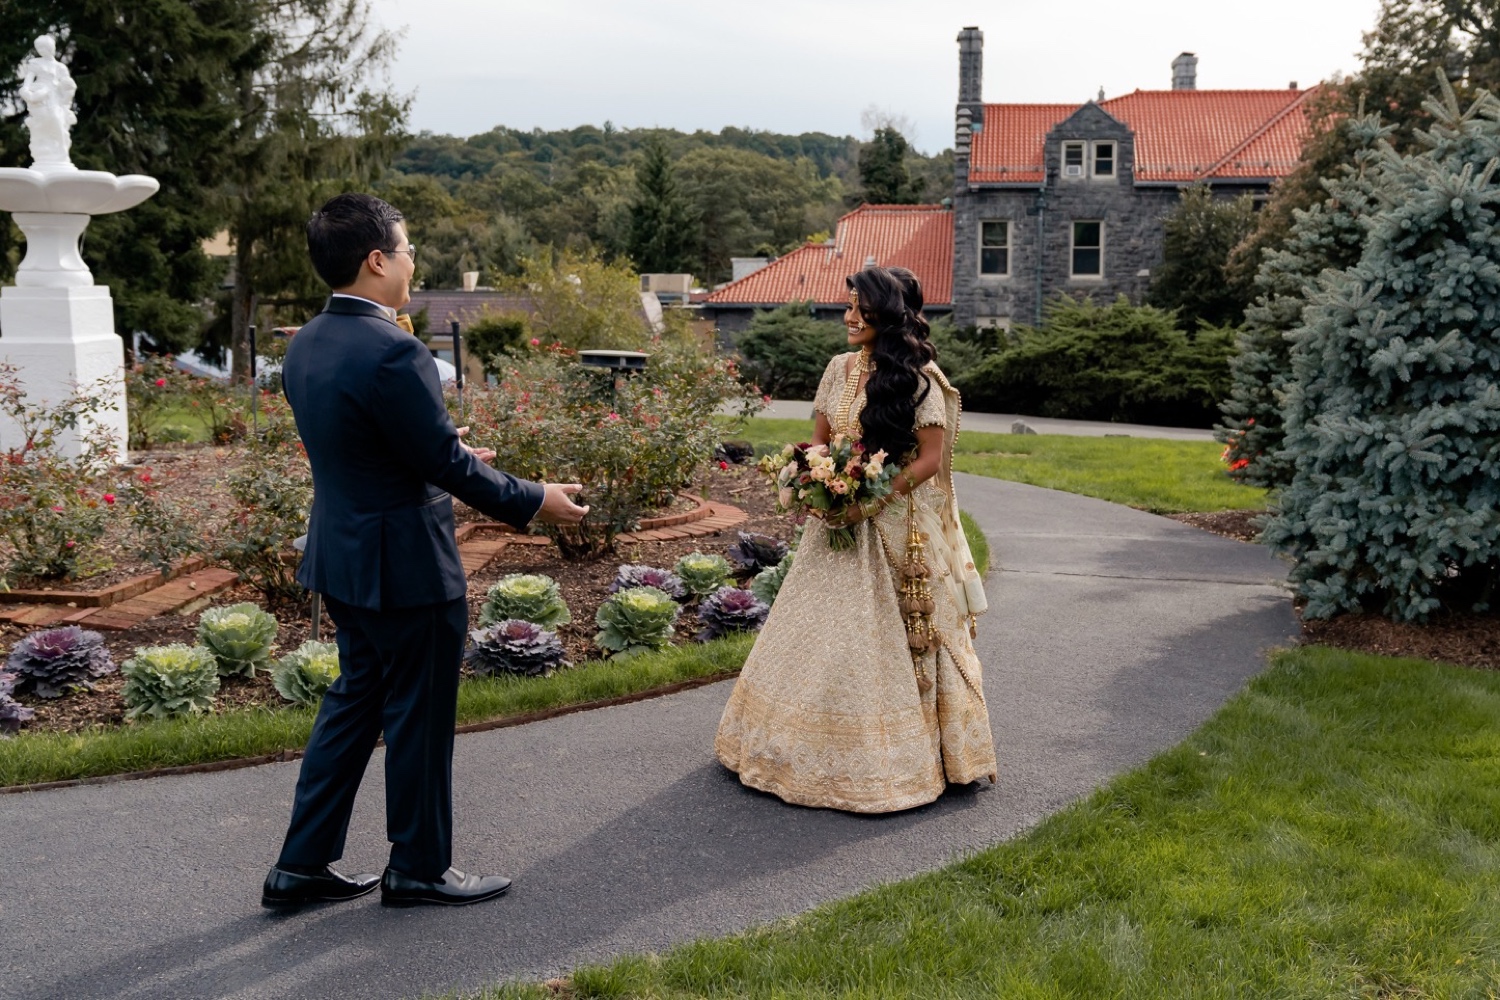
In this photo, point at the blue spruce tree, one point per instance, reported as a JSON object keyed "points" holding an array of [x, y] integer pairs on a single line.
{"points": [[1392, 412], [1327, 235]]}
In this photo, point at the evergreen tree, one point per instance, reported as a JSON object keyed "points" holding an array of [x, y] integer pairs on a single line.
{"points": [[883, 172], [786, 350], [1198, 238], [154, 97], [663, 227], [1393, 410], [1327, 235]]}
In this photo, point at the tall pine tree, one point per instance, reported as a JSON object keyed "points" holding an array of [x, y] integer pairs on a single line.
{"points": [[663, 226], [1327, 235], [883, 172], [1393, 409]]}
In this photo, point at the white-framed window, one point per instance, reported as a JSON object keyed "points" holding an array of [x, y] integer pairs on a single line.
{"points": [[1073, 155], [1001, 323], [1087, 257], [994, 247], [1104, 159]]}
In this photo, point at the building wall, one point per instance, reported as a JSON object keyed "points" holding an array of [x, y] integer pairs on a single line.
{"points": [[1132, 220]]}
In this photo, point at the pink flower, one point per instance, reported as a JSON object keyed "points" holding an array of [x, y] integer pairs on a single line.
{"points": [[766, 399], [109, 498], [536, 342], [59, 509], [838, 486], [723, 464], [159, 383], [69, 544], [614, 418]]}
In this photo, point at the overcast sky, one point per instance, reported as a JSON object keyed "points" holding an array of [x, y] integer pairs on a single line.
{"points": [[817, 65]]}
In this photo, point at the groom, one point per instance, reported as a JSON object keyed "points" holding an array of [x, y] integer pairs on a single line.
{"points": [[380, 549]]}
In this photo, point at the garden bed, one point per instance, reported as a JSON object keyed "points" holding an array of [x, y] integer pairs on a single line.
{"points": [[584, 586]]}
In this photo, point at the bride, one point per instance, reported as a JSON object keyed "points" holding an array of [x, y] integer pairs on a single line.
{"points": [[833, 708]]}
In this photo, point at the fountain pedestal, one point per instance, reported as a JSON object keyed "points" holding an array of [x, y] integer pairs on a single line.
{"points": [[56, 326]]}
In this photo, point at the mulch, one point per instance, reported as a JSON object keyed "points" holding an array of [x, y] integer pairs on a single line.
{"points": [[584, 585], [1468, 640]]}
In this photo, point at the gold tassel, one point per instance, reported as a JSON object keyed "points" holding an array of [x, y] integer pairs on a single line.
{"points": [[916, 599]]}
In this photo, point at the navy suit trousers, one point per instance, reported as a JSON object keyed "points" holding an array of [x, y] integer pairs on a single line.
{"points": [[398, 676]]}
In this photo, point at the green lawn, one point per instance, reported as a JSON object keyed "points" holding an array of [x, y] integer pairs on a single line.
{"points": [[1334, 831], [1165, 477], [29, 758]]}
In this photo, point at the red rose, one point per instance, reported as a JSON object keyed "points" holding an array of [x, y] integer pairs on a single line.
{"points": [[723, 464], [159, 383], [109, 498]]}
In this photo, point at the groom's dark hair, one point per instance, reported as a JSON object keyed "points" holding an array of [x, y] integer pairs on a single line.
{"points": [[341, 234]]}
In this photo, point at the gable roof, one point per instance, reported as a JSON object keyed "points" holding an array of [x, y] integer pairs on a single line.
{"points": [[916, 237], [1181, 136]]}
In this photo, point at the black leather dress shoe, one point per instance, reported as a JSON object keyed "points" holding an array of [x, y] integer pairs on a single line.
{"points": [[290, 889], [454, 888]]}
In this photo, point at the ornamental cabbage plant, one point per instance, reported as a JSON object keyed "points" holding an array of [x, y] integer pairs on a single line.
{"points": [[12, 712], [702, 574], [240, 636], [304, 674], [516, 647], [636, 575], [59, 660], [767, 583], [530, 597], [754, 553], [634, 621], [168, 681], [730, 609]]}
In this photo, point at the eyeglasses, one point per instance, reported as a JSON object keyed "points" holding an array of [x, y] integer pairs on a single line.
{"points": [[410, 250]]}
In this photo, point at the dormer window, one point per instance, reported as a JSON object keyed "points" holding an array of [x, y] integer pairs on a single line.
{"points": [[1104, 159], [1073, 159]]}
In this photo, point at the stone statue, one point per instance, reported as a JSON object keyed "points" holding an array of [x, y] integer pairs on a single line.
{"points": [[47, 88]]}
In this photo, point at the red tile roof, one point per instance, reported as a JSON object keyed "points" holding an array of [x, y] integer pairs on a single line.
{"points": [[1180, 135], [916, 237]]}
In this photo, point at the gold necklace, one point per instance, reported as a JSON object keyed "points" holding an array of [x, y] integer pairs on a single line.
{"points": [[857, 372]]}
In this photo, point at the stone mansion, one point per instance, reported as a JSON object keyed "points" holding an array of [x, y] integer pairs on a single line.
{"points": [[1048, 199]]}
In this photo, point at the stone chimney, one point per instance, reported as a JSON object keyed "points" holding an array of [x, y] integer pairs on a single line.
{"points": [[969, 115], [1185, 72]]}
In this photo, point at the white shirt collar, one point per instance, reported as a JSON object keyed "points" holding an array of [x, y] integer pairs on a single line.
{"points": [[390, 313]]}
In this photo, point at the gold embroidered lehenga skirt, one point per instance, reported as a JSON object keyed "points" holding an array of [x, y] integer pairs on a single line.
{"points": [[828, 711]]}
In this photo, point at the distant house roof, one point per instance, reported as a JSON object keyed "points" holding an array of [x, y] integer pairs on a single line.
{"points": [[916, 237], [1181, 136], [445, 306]]}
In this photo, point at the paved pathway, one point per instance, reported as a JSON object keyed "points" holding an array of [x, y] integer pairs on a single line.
{"points": [[1114, 633], [1000, 423]]}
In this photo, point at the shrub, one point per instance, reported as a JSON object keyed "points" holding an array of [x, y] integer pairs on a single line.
{"points": [[60, 660], [240, 637], [636, 575], [1198, 237], [514, 646], [167, 681], [163, 533], [1393, 405], [12, 712], [632, 444], [703, 573], [786, 350], [1118, 362], [637, 620], [52, 510], [755, 553], [304, 674], [730, 609], [155, 391], [767, 583], [530, 597], [272, 499]]}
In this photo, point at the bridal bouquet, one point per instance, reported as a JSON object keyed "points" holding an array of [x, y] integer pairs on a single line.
{"points": [[825, 481]]}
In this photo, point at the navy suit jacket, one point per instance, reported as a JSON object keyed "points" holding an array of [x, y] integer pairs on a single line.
{"points": [[385, 458]]}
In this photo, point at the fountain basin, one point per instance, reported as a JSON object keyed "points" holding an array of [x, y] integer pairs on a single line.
{"points": [[71, 192]]}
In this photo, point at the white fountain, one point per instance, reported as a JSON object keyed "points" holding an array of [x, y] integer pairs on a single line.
{"points": [[56, 326]]}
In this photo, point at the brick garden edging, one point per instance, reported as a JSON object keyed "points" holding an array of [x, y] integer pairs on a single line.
{"points": [[132, 602]]}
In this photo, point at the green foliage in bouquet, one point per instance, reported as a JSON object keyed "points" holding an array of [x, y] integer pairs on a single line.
{"points": [[240, 637], [531, 597], [167, 681], [304, 674], [635, 621], [702, 573]]}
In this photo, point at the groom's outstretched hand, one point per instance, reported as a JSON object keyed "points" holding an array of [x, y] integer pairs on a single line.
{"points": [[558, 506]]}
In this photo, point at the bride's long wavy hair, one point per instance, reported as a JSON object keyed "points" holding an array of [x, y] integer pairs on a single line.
{"points": [[898, 353]]}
